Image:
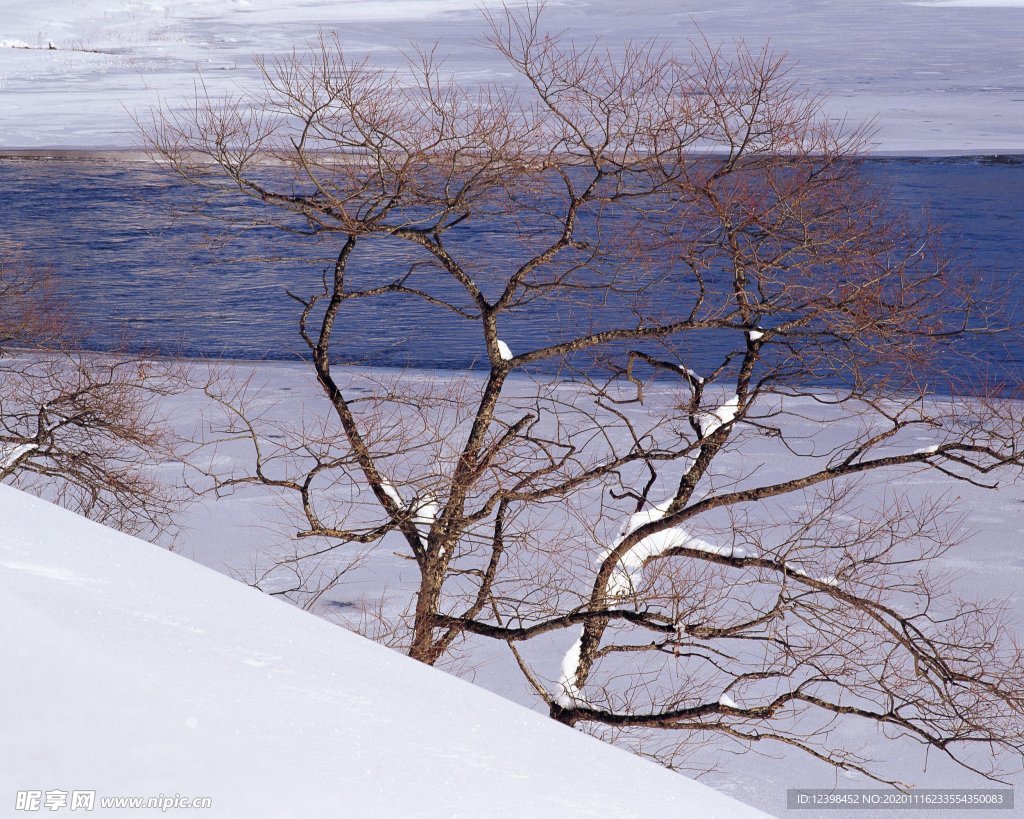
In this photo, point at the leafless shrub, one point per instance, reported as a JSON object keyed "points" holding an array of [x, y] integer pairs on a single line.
{"points": [[81, 429]]}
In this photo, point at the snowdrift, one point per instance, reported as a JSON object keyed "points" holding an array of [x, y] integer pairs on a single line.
{"points": [[131, 671]]}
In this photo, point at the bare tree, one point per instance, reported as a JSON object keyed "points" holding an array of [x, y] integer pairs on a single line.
{"points": [[81, 429], [720, 545]]}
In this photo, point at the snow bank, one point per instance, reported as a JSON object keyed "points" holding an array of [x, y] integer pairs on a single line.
{"points": [[137, 672]]}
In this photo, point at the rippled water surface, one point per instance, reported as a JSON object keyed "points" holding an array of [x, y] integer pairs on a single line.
{"points": [[136, 273]]}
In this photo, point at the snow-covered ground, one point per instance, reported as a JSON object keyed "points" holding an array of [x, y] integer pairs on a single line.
{"points": [[139, 672], [130, 671], [942, 76]]}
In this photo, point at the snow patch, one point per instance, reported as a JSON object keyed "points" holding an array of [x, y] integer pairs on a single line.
{"points": [[504, 352], [828, 580]]}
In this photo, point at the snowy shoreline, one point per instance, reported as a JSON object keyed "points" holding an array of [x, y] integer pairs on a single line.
{"points": [[939, 78], [1012, 156]]}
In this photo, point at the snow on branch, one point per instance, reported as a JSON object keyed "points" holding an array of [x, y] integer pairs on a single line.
{"points": [[709, 422], [424, 513], [422, 510], [568, 694], [625, 579], [690, 374], [9, 456], [389, 489]]}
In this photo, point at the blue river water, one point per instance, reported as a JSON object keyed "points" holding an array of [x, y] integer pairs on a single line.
{"points": [[140, 276]]}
